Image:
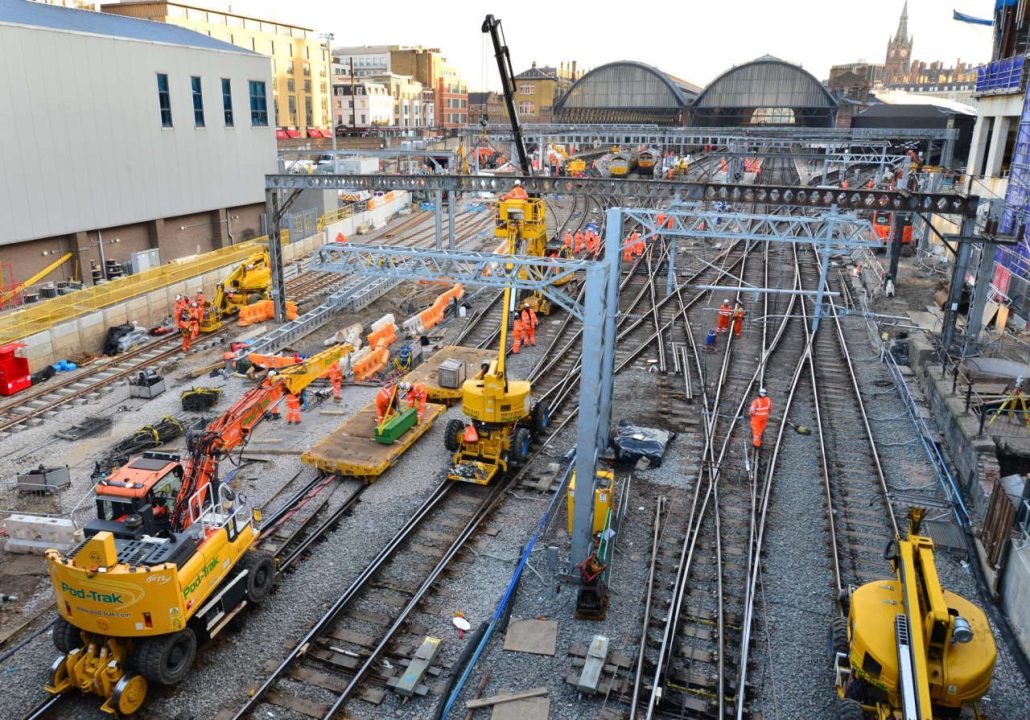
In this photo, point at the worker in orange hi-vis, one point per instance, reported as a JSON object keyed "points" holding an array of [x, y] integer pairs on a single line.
{"points": [[417, 397], [385, 399], [517, 330], [336, 380], [292, 409], [759, 411], [844, 184], [638, 245], [529, 323], [597, 245], [195, 315], [186, 330], [725, 313], [579, 242], [516, 193], [567, 240], [201, 305], [660, 218], [738, 319]]}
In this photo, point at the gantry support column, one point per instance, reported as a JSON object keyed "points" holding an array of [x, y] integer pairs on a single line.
{"points": [[275, 253], [958, 276]]}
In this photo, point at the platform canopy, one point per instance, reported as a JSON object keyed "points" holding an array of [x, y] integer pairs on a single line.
{"points": [[626, 92], [766, 91]]}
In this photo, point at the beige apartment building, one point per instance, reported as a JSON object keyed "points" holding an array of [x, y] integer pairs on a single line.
{"points": [[300, 58]]}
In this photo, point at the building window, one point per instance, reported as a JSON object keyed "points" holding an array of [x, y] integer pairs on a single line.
{"points": [[526, 108], [227, 102], [293, 108], [308, 110], [527, 89], [290, 85], [307, 68], [198, 102], [307, 86], [164, 98], [258, 104]]}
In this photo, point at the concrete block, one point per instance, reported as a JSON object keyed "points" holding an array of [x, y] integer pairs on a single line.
{"points": [[34, 533]]}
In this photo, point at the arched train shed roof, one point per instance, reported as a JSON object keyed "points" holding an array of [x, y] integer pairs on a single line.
{"points": [[765, 83], [626, 92]]}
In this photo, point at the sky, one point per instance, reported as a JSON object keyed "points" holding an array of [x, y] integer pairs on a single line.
{"points": [[695, 40]]}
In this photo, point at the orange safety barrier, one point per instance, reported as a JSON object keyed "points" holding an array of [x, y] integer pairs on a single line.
{"points": [[387, 332], [271, 362], [264, 310], [370, 363]]}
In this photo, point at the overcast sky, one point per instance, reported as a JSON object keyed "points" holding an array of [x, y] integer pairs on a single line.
{"points": [[693, 39]]}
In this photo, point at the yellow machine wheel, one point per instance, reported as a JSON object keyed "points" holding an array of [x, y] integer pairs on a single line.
{"points": [[129, 694], [59, 681]]}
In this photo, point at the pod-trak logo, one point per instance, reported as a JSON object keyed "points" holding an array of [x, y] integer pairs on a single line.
{"points": [[204, 572]]}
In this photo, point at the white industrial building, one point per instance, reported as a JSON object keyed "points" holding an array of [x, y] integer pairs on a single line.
{"points": [[130, 133]]}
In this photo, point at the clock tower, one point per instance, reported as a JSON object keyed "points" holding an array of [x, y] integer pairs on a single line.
{"points": [[899, 52]]}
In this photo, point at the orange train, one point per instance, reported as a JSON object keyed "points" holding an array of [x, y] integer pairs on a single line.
{"points": [[882, 226]]}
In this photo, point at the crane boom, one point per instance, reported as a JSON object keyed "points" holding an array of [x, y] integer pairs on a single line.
{"points": [[493, 26], [234, 426]]}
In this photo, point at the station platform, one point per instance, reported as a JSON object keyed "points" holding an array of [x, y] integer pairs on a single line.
{"points": [[428, 372], [351, 450]]}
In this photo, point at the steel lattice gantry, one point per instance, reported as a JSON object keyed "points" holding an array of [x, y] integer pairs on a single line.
{"points": [[667, 190], [598, 311]]}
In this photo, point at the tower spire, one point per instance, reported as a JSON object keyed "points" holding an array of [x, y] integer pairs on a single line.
{"points": [[902, 34]]}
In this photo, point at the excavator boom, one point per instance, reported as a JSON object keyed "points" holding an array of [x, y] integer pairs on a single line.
{"points": [[233, 428]]}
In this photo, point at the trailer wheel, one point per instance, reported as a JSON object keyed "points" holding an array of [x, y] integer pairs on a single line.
{"points": [[260, 569], [67, 637], [166, 659], [452, 435], [848, 709]]}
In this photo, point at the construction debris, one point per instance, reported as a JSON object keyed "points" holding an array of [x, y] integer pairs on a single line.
{"points": [[199, 399]]}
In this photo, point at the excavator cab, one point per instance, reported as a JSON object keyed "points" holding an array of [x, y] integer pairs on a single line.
{"points": [[138, 498]]}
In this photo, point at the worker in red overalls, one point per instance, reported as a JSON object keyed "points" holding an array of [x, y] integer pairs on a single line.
{"points": [[579, 242], [567, 240], [182, 319], [759, 412], [336, 380], [292, 409], [627, 248], [738, 319], [529, 322], [417, 396], [517, 330], [725, 313]]}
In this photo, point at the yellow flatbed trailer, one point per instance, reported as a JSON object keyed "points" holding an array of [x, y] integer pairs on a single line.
{"points": [[428, 372], [352, 451]]}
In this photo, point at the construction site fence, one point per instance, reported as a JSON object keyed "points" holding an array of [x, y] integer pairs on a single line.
{"points": [[41, 316], [46, 314]]}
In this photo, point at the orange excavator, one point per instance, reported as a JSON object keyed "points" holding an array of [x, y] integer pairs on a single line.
{"points": [[168, 561]]}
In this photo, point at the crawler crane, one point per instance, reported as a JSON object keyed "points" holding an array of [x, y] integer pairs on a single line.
{"points": [[168, 561], [909, 649]]}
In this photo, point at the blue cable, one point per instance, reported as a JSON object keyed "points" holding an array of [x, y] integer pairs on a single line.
{"points": [[506, 597]]}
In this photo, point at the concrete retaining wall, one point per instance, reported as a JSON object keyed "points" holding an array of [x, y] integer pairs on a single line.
{"points": [[377, 217], [1014, 596], [87, 332], [976, 465]]}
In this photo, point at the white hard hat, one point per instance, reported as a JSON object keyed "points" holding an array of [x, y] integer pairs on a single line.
{"points": [[726, 302], [518, 182], [763, 392], [272, 373]]}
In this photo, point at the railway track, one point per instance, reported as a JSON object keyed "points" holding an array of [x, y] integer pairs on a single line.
{"points": [[304, 286]]}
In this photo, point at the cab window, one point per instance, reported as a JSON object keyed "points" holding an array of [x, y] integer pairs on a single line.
{"points": [[113, 510], [164, 492]]}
